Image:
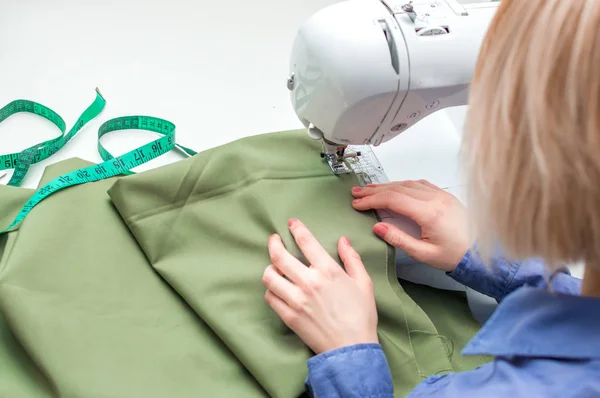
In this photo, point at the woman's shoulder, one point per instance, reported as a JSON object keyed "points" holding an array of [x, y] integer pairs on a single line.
{"points": [[518, 377]]}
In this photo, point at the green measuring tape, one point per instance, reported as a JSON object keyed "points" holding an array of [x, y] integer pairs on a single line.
{"points": [[23, 160], [111, 167]]}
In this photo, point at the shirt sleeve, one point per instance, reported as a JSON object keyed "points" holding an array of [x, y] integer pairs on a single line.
{"points": [[501, 276], [358, 371], [485, 381]]}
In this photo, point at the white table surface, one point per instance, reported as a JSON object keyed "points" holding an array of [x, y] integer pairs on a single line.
{"points": [[216, 69]]}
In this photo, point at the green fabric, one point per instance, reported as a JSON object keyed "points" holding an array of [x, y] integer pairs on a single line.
{"points": [[19, 376], [84, 314], [448, 312], [203, 223], [95, 319]]}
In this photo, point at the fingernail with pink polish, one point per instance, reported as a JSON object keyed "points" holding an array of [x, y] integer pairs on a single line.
{"points": [[357, 189], [380, 229], [355, 201], [347, 241], [292, 222]]}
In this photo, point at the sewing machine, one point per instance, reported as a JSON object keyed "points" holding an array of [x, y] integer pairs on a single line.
{"points": [[364, 71]]}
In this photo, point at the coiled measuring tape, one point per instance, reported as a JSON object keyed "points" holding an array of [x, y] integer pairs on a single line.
{"points": [[111, 167], [21, 161]]}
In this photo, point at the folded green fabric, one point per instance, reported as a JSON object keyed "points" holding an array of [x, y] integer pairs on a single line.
{"points": [[203, 224], [83, 314], [19, 375]]}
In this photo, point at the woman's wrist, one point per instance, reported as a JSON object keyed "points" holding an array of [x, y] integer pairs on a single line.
{"points": [[358, 370]]}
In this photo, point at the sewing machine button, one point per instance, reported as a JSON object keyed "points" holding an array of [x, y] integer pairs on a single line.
{"points": [[399, 127], [433, 105]]}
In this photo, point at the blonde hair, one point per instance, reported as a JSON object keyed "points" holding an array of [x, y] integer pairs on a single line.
{"points": [[532, 138]]}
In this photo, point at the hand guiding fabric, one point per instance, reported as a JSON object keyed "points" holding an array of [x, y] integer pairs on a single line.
{"points": [[324, 305], [442, 218]]}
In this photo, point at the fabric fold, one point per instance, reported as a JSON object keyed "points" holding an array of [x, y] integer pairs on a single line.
{"points": [[155, 289], [204, 222], [79, 296]]}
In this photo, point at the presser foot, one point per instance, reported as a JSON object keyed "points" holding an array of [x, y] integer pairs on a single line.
{"points": [[337, 157], [339, 164]]}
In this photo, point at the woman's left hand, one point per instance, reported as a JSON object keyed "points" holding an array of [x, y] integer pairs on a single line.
{"points": [[324, 305]]}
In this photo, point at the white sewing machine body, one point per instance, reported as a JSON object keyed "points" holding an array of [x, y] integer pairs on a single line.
{"points": [[364, 71]]}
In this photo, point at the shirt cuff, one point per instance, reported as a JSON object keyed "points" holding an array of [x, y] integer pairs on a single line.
{"points": [[502, 276], [492, 280], [460, 273], [357, 371]]}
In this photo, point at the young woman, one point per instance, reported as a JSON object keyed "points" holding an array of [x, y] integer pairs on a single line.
{"points": [[532, 155]]}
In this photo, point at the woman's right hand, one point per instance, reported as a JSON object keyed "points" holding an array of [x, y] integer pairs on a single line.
{"points": [[442, 218]]}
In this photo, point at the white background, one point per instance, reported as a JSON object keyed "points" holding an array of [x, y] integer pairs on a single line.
{"points": [[217, 69]]}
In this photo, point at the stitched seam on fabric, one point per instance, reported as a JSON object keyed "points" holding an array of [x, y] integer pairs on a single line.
{"points": [[205, 195], [388, 248], [387, 266], [408, 329], [441, 339], [419, 371], [441, 346], [391, 341]]}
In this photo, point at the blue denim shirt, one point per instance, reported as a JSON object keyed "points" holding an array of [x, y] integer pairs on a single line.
{"points": [[544, 341]]}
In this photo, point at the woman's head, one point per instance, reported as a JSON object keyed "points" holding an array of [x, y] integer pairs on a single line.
{"points": [[532, 139]]}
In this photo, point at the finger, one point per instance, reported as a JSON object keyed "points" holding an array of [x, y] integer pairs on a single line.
{"points": [[283, 288], [395, 201], [352, 262], [379, 185], [383, 185], [420, 194], [417, 184], [309, 245], [285, 312], [416, 248], [429, 185], [285, 263]]}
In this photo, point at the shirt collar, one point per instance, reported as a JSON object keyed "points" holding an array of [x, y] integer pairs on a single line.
{"points": [[533, 322]]}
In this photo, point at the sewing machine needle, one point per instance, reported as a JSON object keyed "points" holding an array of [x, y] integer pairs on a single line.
{"points": [[2, 175]]}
